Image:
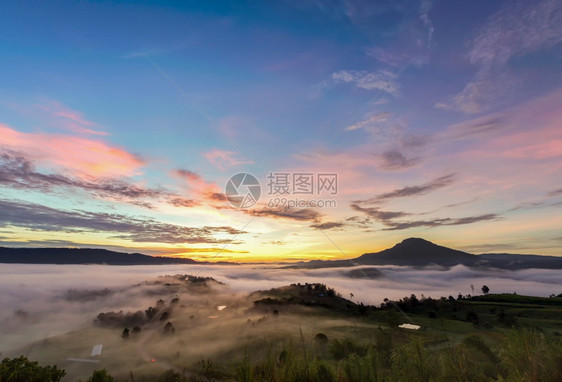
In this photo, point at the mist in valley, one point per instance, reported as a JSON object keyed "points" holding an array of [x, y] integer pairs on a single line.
{"points": [[49, 311]]}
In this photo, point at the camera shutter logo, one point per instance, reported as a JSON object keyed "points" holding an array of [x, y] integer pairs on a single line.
{"points": [[243, 190]]}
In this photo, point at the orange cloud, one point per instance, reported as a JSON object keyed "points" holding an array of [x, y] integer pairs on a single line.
{"points": [[85, 157], [209, 191]]}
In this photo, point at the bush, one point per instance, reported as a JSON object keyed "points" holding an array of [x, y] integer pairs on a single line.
{"points": [[340, 349], [22, 370], [101, 376], [321, 338]]}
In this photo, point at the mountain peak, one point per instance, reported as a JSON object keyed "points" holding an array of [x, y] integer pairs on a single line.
{"points": [[418, 251], [415, 241]]}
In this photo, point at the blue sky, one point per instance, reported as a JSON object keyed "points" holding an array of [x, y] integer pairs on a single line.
{"points": [[110, 113]]}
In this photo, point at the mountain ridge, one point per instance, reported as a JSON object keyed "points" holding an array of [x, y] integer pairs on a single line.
{"points": [[417, 252], [409, 252], [421, 253], [83, 256]]}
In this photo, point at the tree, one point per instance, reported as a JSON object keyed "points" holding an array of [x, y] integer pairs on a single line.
{"points": [[151, 312], [101, 376], [321, 338], [169, 328], [413, 300], [22, 370], [472, 317], [485, 289]]}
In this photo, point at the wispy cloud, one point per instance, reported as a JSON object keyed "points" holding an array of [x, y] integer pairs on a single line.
{"points": [[401, 220], [396, 226], [202, 189], [71, 120], [476, 128], [555, 192], [188, 175], [224, 159], [390, 219], [327, 225], [400, 148], [303, 214], [17, 171], [136, 229], [359, 221], [515, 30], [414, 40], [53, 114], [380, 80], [370, 121], [393, 159], [425, 8], [183, 202], [408, 191], [378, 214]]}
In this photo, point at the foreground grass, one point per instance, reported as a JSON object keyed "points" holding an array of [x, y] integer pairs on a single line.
{"points": [[519, 355], [522, 355]]}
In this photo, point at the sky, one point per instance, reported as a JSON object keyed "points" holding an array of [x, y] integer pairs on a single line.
{"points": [[364, 123]]}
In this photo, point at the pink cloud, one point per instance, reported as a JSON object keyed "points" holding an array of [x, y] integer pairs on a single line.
{"points": [[196, 184], [535, 150], [509, 136], [85, 157], [187, 175], [54, 114], [530, 130], [69, 119], [223, 159]]}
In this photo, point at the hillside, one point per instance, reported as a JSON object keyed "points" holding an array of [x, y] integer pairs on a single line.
{"points": [[514, 262], [82, 256]]}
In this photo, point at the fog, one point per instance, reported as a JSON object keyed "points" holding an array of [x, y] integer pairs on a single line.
{"points": [[48, 301]]}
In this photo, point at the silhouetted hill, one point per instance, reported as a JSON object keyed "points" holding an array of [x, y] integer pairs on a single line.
{"points": [[82, 256], [417, 252], [310, 295], [514, 261]]}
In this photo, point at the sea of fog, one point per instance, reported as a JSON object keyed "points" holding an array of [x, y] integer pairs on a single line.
{"points": [[39, 294]]}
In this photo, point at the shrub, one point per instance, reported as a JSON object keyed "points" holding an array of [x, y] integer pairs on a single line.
{"points": [[22, 370], [101, 376]]}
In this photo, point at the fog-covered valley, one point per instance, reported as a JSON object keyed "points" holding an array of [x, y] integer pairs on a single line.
{"points": [[42, 301]]}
